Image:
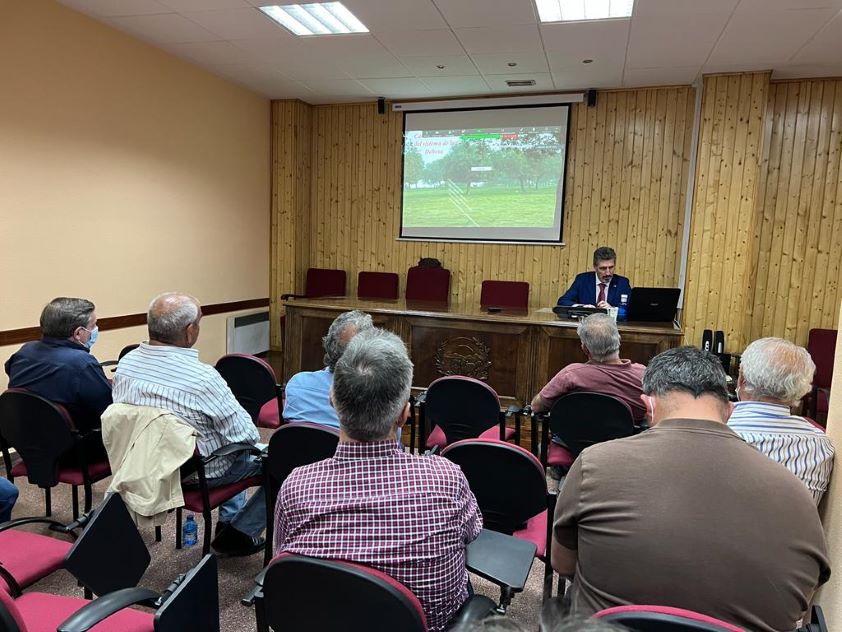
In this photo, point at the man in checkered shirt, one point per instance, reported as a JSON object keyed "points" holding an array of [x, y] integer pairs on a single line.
{"points": [[408, 516]]}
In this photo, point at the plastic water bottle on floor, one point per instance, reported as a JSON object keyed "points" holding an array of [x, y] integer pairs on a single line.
{"points": [[190, 532]]}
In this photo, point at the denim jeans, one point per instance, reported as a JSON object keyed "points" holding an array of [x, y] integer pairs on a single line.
{"points": [[8, 497], [248, 516]]}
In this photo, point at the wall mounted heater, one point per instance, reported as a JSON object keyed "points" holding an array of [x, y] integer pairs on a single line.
{"points": [[248, 333]]}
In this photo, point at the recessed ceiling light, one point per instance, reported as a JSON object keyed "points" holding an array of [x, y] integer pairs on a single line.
{"points": [[512, 64], [587, 61], [440, 66], [578, 10], [326, 18]]}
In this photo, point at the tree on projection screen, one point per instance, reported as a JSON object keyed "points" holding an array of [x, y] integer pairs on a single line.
{"points": [[485, 175]]}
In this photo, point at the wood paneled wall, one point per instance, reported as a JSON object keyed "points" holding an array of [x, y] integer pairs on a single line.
{"points": [[798, 238], [291, 141], [626, 176], [720, 260]]}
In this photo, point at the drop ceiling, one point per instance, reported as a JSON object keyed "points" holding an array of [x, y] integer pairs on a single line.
{"points": [[447, 48]]}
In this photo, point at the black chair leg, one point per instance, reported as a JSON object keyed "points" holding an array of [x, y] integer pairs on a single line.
{"points": [[206, 542], [48, 502], [158, 537], [89, 492], [548, 581], [178, 528], [75, 500]]}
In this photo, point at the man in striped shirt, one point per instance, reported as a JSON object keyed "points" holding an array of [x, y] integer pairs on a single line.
{"points": [[774, 375], [166, 373]]}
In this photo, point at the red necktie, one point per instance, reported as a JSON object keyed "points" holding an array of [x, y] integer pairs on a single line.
{"points": [[601, 296]]}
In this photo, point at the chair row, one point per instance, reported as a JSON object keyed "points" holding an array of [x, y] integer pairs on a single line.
{"points": [[431, 284]]}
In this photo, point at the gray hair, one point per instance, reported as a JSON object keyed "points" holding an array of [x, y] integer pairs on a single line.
{"points": [[169, 315], [687, 370], [62, 316], [775, 368], [371, 384], [332, 342], [604, 253], [599, 335]]}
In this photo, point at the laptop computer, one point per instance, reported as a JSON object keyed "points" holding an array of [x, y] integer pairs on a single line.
{"points": [[653, 304]]}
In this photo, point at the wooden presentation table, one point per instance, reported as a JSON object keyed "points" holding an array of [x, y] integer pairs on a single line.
{"points": [[515, 351]]}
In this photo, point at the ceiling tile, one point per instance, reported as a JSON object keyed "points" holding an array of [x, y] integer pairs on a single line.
{"points": [[824, 46], [661, 42], [406, 88], [768, 37], [803, 71], [163, 28], [498, 63], [421, 43], [210, 53], [570, 43], [474, 13], [655, 8], [395, 15], [583, 76], [497, 83], [372, 66], [638, 77], [456, 86], [204, 5], [237, 23], [293, 60], [341, 45], [341, 90], [511, 39], [454, 65], [114, 8]]}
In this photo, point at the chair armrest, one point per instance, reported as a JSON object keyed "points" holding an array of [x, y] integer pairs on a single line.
{"points": [[54, 525], [100, 609], [421, 398], [476, 608], [108, 363], [285, 297], [232, 448], [257, 592]]}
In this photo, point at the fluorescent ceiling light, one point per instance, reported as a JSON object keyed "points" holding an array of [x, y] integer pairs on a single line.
{"points": [[326, 18], [578, 10]]}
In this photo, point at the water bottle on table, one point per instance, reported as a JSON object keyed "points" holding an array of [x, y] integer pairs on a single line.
{"points": [[623, 309], [189, 532]]}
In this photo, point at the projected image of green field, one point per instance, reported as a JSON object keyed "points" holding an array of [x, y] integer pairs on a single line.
{"points": [[482, 206]]}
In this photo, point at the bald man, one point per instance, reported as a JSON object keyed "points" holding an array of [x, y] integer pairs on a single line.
{"points": [[166, 373]]}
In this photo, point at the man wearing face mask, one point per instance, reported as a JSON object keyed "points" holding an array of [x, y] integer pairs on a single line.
{"points": [[60, 367]]}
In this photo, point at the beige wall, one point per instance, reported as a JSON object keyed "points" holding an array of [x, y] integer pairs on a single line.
{"points": [[124, 172]]}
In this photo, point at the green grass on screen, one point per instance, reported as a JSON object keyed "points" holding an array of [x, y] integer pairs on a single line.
{"points": [[482, 206]]}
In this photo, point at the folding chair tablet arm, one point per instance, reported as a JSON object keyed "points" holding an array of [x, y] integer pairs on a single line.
{"points": [[100, 609], [256, 592]]}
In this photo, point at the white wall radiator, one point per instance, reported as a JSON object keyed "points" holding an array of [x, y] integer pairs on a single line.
{"points": [[248, 333]]}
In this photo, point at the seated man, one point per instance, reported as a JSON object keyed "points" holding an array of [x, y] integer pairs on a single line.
{"points": [[600, 288], [687, 514], [59, 367], [166, 373], [774, 375], [8, 498], [604, 372], [307, 393], [408, 516]]}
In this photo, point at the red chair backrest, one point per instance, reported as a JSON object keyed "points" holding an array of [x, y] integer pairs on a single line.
{"points": [[821, 345], [324, 282], [463, 407], [663, 618], [428, 284], [378, 285], [504, 294]]}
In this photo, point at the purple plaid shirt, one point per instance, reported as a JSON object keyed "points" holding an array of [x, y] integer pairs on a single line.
{"points": [[408, 516]]}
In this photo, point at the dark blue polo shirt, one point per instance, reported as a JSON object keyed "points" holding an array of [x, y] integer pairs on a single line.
{"points": [[64, 372]]}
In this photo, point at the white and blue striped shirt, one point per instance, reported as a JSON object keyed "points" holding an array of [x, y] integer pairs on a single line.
{"points": [[174, 379], [792, 441]]}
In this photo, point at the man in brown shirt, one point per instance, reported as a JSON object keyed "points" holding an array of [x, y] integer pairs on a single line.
{"points": [[687, 514]]}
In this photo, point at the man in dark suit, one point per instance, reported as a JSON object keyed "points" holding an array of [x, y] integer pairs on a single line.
{"points": [[600, 288]]}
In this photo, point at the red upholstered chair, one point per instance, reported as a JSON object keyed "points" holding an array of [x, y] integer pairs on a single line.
{"points": [[664, 619], [383, 285], [581, 420], [360, 598], [52, 451], [510, 486], [504, 294], [203, 499], [27, 557], [428, 284], [821, 344], [321, 282], [456, 407], [253, 382], [293, 445]]}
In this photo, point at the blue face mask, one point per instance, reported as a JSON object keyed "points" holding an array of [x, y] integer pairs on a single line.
{"points": [[92, 339]]}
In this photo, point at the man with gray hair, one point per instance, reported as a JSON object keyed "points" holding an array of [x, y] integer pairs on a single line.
{"points": [[715, 526], [408, 516], [604, 372], [307, 393], [774, 375], [166, 373], [59, 367]]}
